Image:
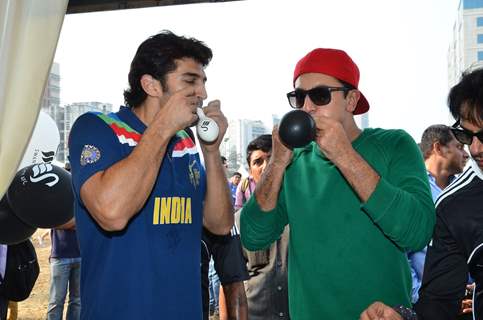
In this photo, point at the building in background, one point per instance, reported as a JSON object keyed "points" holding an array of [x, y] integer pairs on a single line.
{"points": [[67, 116], [466, 49], [51, 97]]}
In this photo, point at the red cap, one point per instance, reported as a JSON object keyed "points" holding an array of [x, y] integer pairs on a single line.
{"points": [[335, 63]]}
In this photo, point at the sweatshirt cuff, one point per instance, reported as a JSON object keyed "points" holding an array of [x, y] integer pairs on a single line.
{"points": [[380, 201]]}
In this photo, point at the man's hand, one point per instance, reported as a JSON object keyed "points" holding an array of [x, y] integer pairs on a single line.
{"points": [[281, 155], [379, 311], [213, 111], [467, 303], [331, 138], [179, 111]]}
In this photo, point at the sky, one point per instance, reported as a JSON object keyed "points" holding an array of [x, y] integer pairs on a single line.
{"points": [[400, 47]]}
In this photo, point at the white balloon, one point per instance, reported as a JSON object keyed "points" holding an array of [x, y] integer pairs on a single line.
{"points": [[43, 144], [206, 128]]}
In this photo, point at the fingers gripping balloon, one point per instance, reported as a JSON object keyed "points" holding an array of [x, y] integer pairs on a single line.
{"points": [[206, 128]]}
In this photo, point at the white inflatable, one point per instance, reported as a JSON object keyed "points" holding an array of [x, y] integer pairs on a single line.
{"points": [[43, 143], [29, 31]]}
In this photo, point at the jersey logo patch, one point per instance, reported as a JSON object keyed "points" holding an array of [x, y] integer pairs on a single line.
{"points": [[194, 174], [89, 155]]}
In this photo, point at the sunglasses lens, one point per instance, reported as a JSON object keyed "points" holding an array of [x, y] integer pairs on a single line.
{"points": [[479, 135], [320, 96], [462, 136]]}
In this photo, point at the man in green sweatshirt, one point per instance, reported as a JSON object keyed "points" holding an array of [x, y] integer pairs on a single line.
{"points": [[356, 201]]}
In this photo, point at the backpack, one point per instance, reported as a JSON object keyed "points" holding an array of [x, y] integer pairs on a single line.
{"points": [[21, 271]]}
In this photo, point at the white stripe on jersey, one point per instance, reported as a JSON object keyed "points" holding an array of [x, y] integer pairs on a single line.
{"points": [[234, 231], [459, 183]]}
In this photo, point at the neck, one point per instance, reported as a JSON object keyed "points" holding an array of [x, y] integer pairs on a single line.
{"points": [[147, 110], [351, 129], [440, 173]]}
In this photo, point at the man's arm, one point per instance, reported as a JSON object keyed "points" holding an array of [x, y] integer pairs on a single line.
{"points": [[233, 302], [268, 188], [397, 196], [444, 278], [218, 208], [115, 195]]}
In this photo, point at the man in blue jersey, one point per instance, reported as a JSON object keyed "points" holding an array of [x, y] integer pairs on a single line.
{"points": [[142, 195]]}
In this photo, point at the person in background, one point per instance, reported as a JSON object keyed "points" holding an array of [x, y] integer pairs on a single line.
{"points": [[229, 264], [233, 184], [455, 249], [444, 157], [267, 287]]}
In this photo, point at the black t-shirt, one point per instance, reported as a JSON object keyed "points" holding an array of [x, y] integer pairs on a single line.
{"points": [[230, 264], [455, 250]]}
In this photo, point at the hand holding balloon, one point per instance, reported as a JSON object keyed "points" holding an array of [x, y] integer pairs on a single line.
{"points": [[206, 128]]}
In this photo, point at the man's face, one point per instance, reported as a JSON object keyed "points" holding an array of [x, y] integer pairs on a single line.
{"points": [[455, 156], [476, 146], [188, 73], [336, 109], [235, 179], [258, 161]]}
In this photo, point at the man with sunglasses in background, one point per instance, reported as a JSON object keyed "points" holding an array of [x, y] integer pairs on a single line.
{"points": [[355, 200], [457, 244]]}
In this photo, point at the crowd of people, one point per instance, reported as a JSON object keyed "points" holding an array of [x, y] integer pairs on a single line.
{"points": [[358, 224]]}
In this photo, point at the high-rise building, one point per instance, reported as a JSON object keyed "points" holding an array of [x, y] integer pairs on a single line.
{"points": [[67, 116], [466, 49], [51, 97]]}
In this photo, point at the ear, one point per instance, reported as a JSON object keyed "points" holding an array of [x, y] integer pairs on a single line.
{"points": [[353, 97], [151, 86], [438, 148]]}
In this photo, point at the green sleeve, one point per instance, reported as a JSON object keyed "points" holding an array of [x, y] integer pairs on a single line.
{"points": [[258, 228], [401, 205]]}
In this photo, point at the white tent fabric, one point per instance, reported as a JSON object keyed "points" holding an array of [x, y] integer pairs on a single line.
{"points": [[29, 31]]}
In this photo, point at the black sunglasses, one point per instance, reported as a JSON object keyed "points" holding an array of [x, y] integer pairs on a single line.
{"points": [[319, 95], [463, 135]]}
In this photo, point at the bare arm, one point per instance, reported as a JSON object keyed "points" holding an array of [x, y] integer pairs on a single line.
{"points": [[136, 174], [268, 188], [233, 302], [218, 209]]}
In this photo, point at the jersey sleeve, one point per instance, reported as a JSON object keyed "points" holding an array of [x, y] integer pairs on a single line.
{"points": [[445, 275], [93, 147], [228, 257]]}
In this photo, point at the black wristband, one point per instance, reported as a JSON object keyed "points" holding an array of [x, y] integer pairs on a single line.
{"points": [[406, 313]]}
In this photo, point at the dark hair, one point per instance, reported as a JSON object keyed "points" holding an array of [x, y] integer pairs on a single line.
{"points": [[156, 57], [263, 142], [348, 86], [465, 99], [236, 174], [435, 133]]}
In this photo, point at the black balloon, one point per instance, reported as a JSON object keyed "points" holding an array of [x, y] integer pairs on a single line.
{"points": [[41, 195], [296, 129], [12, 229]]}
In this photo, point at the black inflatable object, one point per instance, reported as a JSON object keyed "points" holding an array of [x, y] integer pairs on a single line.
{"points": [[12, 229], [296, 129], [41, 195]]}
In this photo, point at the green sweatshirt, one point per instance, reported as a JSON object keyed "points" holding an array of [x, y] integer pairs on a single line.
{"points": [[344, 254]]}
